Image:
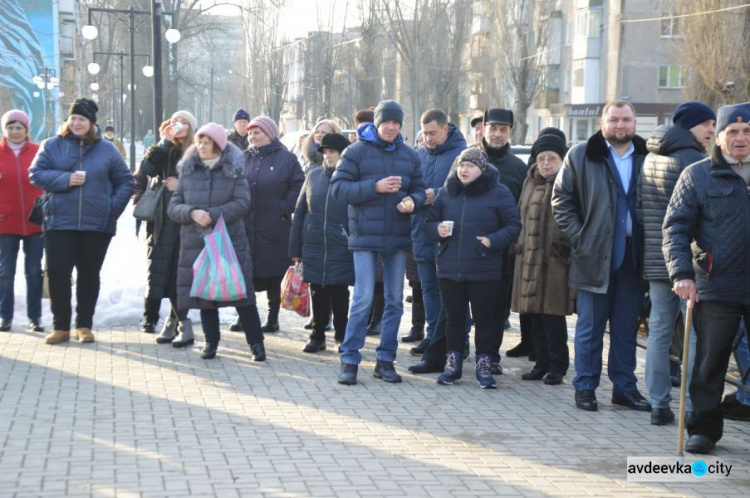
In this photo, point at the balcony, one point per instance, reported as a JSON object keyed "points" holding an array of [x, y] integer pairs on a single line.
{"points": [[547, 98], [587, 48]]}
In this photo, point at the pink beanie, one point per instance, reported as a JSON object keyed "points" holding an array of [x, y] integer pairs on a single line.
{"points": [[13, 116], [267, 125], [215, 132]]}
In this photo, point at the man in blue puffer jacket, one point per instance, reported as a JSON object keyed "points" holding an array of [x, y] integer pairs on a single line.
{"points": [[381, 180], [707, 250], [443, 142]]}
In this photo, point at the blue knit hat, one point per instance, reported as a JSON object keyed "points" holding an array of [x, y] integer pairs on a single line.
{"points": [[738, 113], [692, 113], [241, 114]]}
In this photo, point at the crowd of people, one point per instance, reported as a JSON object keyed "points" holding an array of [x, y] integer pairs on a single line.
{"points": [[475, 230]]}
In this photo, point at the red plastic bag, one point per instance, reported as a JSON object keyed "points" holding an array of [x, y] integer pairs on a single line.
{"points": [[295, 294]]}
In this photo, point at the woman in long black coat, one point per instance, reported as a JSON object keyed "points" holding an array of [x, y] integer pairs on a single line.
{"points": [[163, 235], [275, 179], [319, 239], [212, 184]]}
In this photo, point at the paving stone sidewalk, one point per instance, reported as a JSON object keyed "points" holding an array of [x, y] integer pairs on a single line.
{"points": [[124, 417]]}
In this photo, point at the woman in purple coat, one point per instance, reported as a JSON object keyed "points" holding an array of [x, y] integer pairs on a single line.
{"points": [[275, 179]]}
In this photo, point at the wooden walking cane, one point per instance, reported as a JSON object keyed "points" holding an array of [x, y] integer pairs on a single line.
{"points": [[683, 384]]}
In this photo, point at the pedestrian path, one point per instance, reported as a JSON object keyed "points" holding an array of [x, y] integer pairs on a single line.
{"points": [[123, 417]]}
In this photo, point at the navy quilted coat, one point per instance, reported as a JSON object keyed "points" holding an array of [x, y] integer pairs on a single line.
{"points": [[275, 180], [319, 234], [221, 190], [707, 231], [484, 208], [671, 149], [97, 204], [436, 164], [374, 222]]}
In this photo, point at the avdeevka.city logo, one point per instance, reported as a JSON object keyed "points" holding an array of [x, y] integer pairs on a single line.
{"points": [[676, 469]]}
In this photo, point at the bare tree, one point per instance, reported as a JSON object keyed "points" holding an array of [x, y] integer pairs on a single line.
{"points": [[714, 46]]}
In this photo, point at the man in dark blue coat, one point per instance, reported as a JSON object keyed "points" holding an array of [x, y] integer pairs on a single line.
{"points": [[381, 180], [707, 250], [443, 142], [671, 149]]}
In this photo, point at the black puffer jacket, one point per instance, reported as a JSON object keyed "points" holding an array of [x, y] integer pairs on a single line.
{"points": [[319, 234], [710, 206], [162, 235], [221, 190], [484, 208], [275, 179], [671, 149]]}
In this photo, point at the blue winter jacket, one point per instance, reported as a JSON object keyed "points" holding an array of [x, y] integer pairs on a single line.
{"points": [[98, 203], [707, 231], [436, 164], [375, 224], [484, 208], [319, 234]]}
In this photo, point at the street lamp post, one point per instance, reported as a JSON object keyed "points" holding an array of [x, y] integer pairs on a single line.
{"points": [[90, 32]]}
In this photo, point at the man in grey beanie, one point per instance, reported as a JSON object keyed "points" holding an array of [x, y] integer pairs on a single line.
{"points": [[380, 178], [707, 250]]}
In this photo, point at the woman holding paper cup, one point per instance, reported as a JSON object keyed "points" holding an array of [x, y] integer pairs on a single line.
{"points": [[88, 186], [474, 219], [159, 166], [211, 185]]}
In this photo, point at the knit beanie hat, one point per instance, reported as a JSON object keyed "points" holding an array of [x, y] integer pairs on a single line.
{"points": [[728, 114], [109, 128], [215, 132], [473, 155], [241, 114], [691, 113], [14, 115], [84, 107], [187, 117], [389, 110], [550, 142], [267, 126]]}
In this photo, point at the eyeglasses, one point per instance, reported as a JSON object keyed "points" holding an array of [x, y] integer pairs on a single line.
{"points": [[547, 160]]}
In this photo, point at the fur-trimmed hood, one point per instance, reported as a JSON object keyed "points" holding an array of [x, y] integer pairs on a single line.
{"points": [[486, 182], [596, 147], [310, 151], [231, 161]]}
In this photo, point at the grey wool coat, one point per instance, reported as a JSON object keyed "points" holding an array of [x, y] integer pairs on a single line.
{"points": [[221, 190]]}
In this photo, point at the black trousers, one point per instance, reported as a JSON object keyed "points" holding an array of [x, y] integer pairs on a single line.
{"points": [[84, 251], [325, 299], [272, 287], [716, 325], [551, 343], [248, 318], [455, 296]]}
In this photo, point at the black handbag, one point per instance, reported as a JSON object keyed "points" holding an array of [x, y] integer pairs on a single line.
{"points": [[36, 215], [150, 203]]}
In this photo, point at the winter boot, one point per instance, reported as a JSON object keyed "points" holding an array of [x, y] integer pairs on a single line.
{"points": [[57, 336], [236, 325], [84, 334], [272, 321], [168, 331], [452, 370], [416, 333], [185, 336]]}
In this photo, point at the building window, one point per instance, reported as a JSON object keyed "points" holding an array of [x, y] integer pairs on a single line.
{"points": [[670, 27], [578, 73], [588, 23], [672, 77]]}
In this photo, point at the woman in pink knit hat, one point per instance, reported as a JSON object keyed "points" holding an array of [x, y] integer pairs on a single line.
{"points": [[17, 197], [275, 180]]}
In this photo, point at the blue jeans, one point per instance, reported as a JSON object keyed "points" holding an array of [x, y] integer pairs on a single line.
{"points": [[33, 246], [394, 268], [621, 306], [430, 293], [665, 308]]}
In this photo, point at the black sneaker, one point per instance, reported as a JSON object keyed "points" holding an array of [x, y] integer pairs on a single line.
{"points": [[148, 328], [348, 374], [385, 371], [35, 325], [420, 349], [426, 368]]}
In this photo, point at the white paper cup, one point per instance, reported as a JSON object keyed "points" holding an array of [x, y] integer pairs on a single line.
{"points": [[449, 226]]}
